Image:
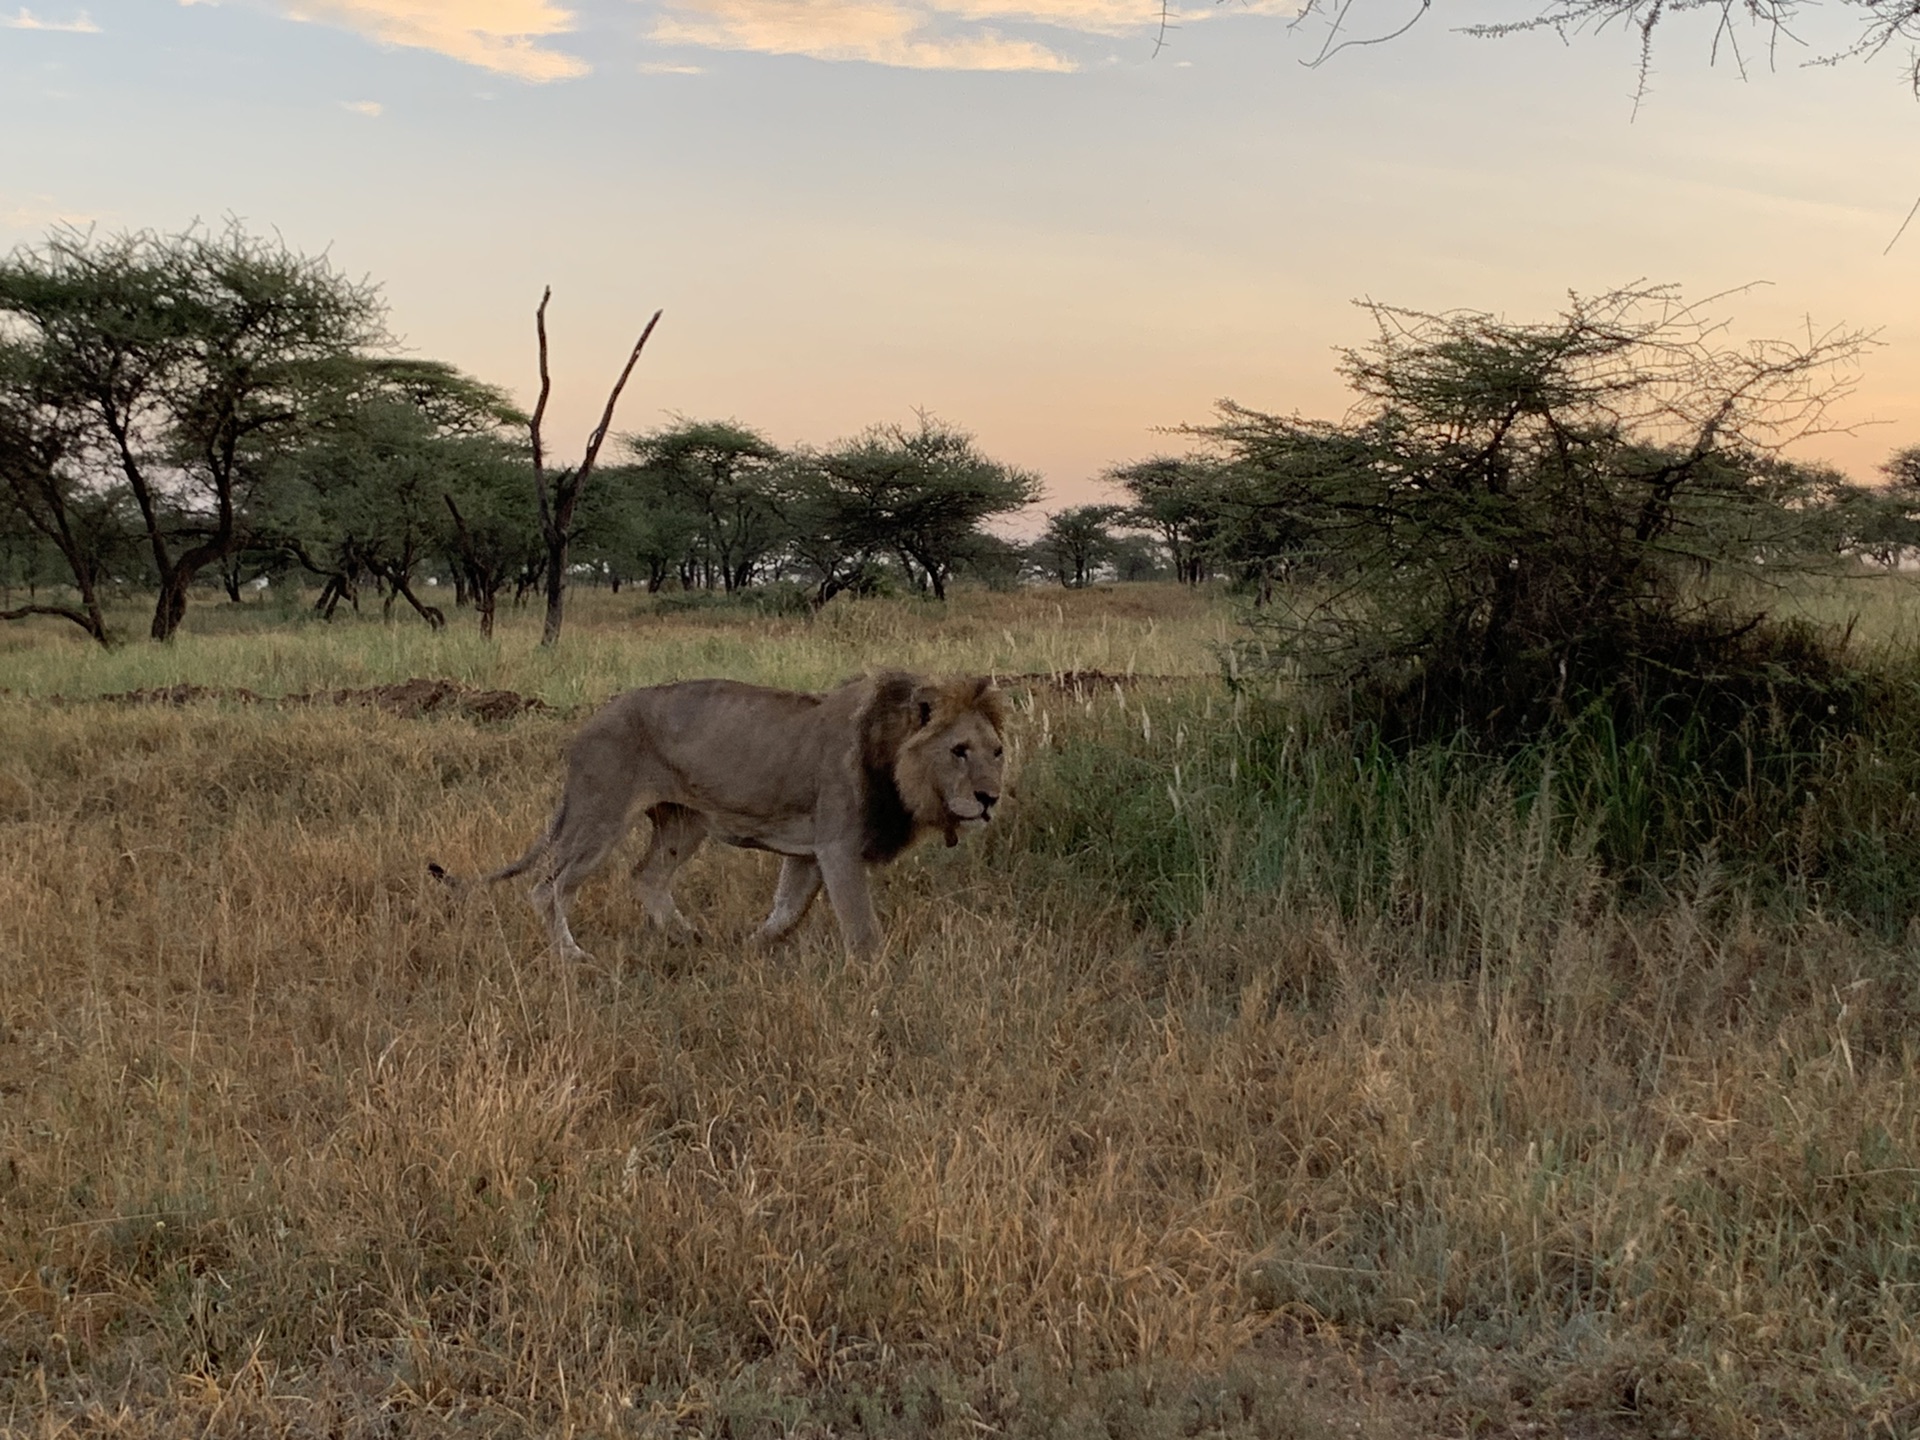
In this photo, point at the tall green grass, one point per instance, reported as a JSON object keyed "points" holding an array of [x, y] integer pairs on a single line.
{"points": [[1626, 1037], [1201, 803]]}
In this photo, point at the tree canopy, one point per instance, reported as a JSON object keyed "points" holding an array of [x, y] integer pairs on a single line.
{"points": [[920, 493], [1516, 518], [169, 365]]}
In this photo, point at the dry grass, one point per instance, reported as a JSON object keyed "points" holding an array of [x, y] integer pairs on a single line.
{"points": [[290, 1142], [615, 642]]}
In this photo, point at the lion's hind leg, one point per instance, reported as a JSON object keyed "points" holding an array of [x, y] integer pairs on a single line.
{"points": [[799, 882], [591, 823], [677, 832]]}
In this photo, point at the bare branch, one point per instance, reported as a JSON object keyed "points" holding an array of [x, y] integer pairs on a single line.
{"points": [[540, 405], [61, 612], [1903, 224], [613, 399], [1328, 50], [557, 502]]}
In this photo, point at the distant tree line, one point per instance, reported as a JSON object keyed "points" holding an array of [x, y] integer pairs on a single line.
{"points": [[212, 407]]}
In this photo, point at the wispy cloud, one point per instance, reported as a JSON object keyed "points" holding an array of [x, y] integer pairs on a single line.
{"points": [[927, 34], [369, 108], [27, 20], [38, 212], [663, 67], [1109, 17], [498, 35], [884, 32]]}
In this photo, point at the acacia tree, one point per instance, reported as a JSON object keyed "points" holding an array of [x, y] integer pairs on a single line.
{"points": [[723, 474], [184, 358], [1882, 522], [831, 538], [1177, 499], [1516, 518], [920, 494], [42, 495], [635, 527], [1077, 541], [496, 531], [558, 494], [369, 492]]}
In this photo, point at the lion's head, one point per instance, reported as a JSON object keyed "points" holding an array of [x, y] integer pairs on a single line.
{"points": [[942, 742]]}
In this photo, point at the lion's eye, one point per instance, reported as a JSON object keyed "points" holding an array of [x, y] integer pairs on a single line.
{"points": [[960, 752]]}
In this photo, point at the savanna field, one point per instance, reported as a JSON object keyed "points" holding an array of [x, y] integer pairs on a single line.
{"points": [[1244, 1080]]}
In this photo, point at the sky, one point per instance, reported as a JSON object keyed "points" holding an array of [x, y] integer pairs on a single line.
{"points": [[1027, 217]]}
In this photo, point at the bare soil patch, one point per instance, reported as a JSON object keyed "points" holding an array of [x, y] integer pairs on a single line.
{"points": [[409, 699]]}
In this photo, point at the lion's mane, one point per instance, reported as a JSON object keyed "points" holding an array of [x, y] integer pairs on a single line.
{"points": [[903, 718]]}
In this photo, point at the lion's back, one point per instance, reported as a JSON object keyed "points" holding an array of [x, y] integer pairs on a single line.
{"points": [[723, 746]]}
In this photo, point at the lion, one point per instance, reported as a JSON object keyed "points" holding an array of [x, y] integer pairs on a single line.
{"points": [[831, 783]]}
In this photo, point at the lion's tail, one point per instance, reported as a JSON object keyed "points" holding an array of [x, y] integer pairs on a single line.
{"points": [[508, 871]]}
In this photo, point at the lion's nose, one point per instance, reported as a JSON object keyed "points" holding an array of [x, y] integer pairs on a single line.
{"points": [[986, 802]]}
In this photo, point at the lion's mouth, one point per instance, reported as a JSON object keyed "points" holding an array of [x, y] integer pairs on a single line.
{"points": [[957, 821]]}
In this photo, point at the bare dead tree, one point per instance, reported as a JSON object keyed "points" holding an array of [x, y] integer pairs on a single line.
{"points": [[559, 495]]}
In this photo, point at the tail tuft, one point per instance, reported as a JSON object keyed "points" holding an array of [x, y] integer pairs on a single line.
{"points": [[438, 872]]}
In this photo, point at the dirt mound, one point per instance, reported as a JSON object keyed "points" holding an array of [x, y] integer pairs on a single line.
{"points": [[177, 695], [408, 699], [411, 699]]}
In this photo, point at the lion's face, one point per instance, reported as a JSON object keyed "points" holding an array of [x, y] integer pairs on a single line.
{"points": [[965, 762], [950, 770]]}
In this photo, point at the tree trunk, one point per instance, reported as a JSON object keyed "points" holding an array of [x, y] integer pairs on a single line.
{"points": [[434, 616], [558, 542], [51, 518], [475, 581], [338, 587], [170, 607]]}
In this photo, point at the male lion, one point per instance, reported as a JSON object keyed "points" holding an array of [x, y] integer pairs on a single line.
{"points": [[832, 783]]}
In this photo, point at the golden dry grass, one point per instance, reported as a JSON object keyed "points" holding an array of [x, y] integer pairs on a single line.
{"points": [[277, 1105], [615, 642], [291, 1142]]}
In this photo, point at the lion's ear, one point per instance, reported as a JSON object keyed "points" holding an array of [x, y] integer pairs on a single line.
{"points": [[990, 701], [925, 697]]}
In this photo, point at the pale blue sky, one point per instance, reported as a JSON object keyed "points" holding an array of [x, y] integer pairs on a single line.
{"points": [[1061, 256]]}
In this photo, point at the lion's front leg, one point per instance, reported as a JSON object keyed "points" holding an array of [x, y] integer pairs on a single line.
{"points": [[845, 874], [799, 883], [677, 833]]}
